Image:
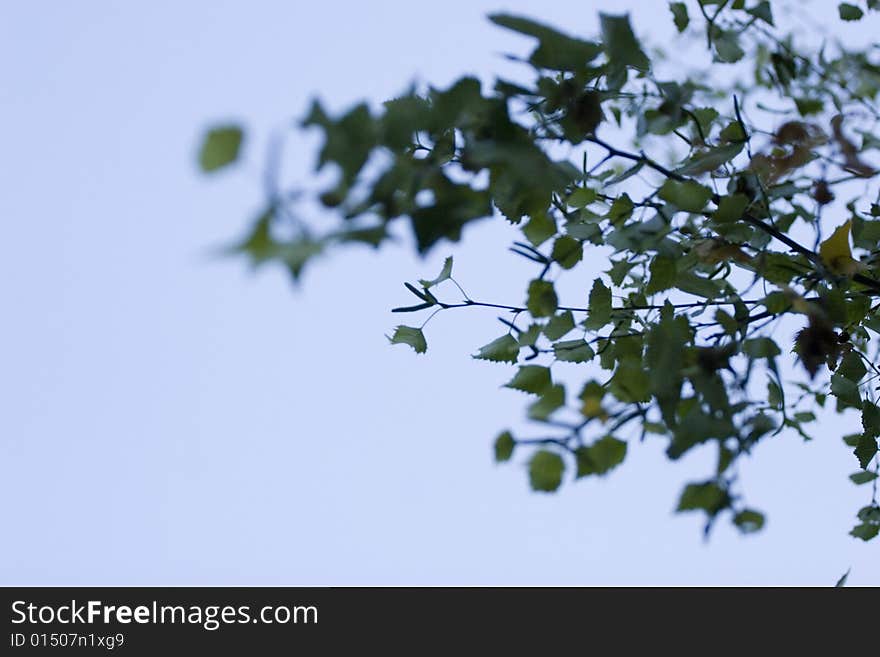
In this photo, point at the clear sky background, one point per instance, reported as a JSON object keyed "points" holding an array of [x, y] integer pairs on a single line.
{"points": [[168, 418]]}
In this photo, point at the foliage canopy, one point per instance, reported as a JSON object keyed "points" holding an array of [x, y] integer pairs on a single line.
{"points": [[731, 199]]}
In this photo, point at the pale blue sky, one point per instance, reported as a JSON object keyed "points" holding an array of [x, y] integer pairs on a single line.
{"points": [[167, 418]]}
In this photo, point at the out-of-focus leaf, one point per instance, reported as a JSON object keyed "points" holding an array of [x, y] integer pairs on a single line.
{"points": [[621, 44], [504, 446], [545, 471], [680, 15], [220, 147]]}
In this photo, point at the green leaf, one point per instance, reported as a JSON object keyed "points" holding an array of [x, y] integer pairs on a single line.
{"points": [[545, 471], [599, 307], [567, 251], [809, 106], [540, 228], [852, 367], [534, 379], [727, 48], [445, 274], [688, 281], [294, 255], [582, 197], [707, 496], [863, 477], [728, 323], [695, 427], [846, 391], [629, 383], [347, 141], [732, 132], [763, 11], [455, 204], [501, 350], [601, 457], [871, 418], [559, 325], [411, 336], [621, 209], [664, 359], [749, 521], [220, 147], [710, 160], [551, 399], [573, 351], [689, 196], [849, 12], [680, 15], [556, 51], [865, 450], [865, 531], [504, 445], [870, 513], [530, 336], [542, 300], [621, 45], [761, 348], [259, 245], [663, 272]]}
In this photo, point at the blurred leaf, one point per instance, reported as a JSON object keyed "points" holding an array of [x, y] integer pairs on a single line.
{"points": [[763, 11], [581, 197], [849, 12], [601, 457], [220, 147], [551, 399], [347, 141], [836, 254], [620, 43], [559, 325], [504, 445], [539, 228], [542, 300], [545, 471], [727, 47], [709, 160], [663, 273], [680, 15], [865, 531], [688, 196], [556, 51], [761, 348], [749, 521], [707, 496], [567, 251]]}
